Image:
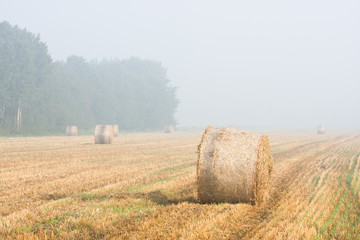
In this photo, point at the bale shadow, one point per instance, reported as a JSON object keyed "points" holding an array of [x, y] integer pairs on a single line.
{"points": [[53, 196], [158, 197], [179, 196]]}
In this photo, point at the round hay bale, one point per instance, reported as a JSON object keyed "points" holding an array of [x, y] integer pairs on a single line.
{"points": [[233, 166], [321, 129], [71, 131], [116, 130], [169, 129], [104, 134]]}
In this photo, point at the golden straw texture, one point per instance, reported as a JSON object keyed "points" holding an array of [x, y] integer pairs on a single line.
{"points": [[104, 134], [116, 130], [233, 166], [71, 131], [169, 129], [321, 129]]}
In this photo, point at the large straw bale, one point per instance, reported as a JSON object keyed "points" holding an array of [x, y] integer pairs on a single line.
{"points": [[104, 134], [116, 130], [321, 129], [169, 129], [71, 131], [233, 166]]}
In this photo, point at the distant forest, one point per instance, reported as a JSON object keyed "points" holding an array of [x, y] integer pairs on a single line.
{"points": [[39, 96]]}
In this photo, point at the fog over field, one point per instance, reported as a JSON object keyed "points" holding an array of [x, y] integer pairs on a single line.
{"points": [[251, 64]]}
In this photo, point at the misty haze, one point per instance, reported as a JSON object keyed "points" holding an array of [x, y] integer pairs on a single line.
{"points": [[179, 119], [262, 65]]}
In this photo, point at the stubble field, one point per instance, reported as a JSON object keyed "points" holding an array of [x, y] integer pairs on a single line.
{"points": [[143, 186]]}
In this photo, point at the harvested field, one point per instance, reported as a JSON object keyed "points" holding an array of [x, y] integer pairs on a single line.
{"points": [[143, 186]]}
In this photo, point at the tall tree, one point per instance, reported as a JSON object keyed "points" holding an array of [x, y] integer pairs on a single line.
{"points": [[24, 66], [38, 96]]}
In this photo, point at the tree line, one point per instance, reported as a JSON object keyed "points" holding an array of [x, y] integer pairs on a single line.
{"points": [[39, 96]]}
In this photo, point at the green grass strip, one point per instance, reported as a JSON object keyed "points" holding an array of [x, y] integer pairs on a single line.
{"points": [[151, 184]]}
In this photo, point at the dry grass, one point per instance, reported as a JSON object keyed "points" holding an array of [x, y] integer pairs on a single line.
{"points": [[143, 186]]}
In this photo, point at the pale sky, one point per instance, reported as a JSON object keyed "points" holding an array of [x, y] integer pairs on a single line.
{"points": [[250, 64]]}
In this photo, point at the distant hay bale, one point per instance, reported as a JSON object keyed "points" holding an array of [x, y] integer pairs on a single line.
{"points": [[169, 129], [116, 130], [233, 166], [321, 129], [71, 131], [104, 134]]}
